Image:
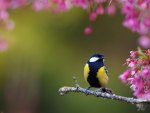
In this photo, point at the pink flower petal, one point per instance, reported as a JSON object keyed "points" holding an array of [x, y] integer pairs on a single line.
{"points": [[144, 41], [88, 30]]}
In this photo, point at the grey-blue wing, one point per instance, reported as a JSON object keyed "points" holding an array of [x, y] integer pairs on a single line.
{"points": [[106, 70]]}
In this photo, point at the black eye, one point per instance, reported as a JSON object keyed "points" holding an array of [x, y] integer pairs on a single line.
{"points": [[103, 60]]}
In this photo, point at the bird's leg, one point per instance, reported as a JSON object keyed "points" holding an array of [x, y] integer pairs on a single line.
{"points": [[104, 90]]}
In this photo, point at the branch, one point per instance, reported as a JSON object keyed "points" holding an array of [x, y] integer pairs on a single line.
{"points": [[66, 89], [141, 103]]}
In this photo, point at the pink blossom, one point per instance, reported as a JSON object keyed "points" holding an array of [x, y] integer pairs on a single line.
{"points": [[81, 3], [130, 81], [92, 16], [133, 54], [139, 73], [40, 4], [147, 21], [131, 23], [111, 9], [146, 95], [143, 29], [137, 18], [144, 41], [3, 15], [124, 77], [145, 72], [88, 30], [127, 8], [100, 10], [138, 82], [62, 5], [139, 93], [13, 4], [132, 64], [4, 4], [147, 1]]}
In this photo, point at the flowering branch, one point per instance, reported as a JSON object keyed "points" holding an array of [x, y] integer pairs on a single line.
{"points": [[136, 13]]}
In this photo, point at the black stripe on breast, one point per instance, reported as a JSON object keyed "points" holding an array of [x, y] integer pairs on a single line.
{"points": [[92, 79]]}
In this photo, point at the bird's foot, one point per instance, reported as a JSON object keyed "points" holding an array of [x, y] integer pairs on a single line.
{"points": [[104, 90], [107, 90]]}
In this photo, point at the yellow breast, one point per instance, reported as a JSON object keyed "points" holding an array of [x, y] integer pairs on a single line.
{"points": [[102, 77], [86, 71]]}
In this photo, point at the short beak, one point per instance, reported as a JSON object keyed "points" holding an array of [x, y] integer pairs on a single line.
{"points": [[103, 57]]}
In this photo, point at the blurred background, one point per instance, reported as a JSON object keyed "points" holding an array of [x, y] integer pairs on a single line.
{"points": [[46, 50]]}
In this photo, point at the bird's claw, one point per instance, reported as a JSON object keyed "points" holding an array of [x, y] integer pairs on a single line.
{"points": [[104, 90]]}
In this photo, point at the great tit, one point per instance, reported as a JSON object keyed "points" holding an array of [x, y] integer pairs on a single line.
{"points": [[95, 72]]}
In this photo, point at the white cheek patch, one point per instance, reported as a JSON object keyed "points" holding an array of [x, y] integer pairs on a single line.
{"points": [[93, 59], [103, 60]]}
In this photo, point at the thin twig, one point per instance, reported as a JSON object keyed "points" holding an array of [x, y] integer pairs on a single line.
{"points": [[76, 81]]}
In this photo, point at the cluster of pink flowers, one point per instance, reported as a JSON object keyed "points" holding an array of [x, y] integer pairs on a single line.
{"points": [[6, 5], [6, 23], [94, 7], [137, 74], [137, 18]]}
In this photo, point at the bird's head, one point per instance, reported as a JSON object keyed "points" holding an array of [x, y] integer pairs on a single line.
{"points": [[96, 58]]}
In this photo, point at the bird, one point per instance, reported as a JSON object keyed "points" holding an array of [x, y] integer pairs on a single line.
{"points": [[95, 72]]}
